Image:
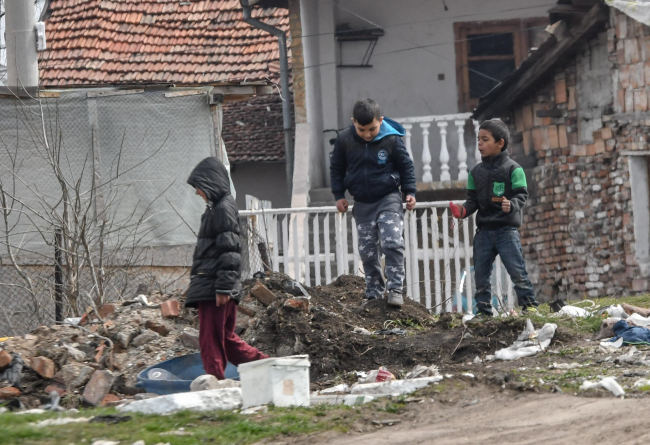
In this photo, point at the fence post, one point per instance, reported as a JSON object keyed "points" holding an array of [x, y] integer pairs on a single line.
{"points": [[58, 277]]}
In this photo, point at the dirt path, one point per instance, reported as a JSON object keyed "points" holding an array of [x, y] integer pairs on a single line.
{"points": [[525, 419]]}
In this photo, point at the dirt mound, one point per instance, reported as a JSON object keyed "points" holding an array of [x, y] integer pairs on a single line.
{"points": [[327, 331]]}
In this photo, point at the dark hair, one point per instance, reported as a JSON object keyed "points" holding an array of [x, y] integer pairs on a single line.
{"points": [[365, 111], [499, 131]]}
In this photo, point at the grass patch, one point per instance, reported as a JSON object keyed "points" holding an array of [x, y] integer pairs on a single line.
{"points": [[214, 428]]}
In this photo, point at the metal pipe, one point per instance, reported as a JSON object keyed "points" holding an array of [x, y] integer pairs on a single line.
{"points": [[284, 87], [22, 57]]}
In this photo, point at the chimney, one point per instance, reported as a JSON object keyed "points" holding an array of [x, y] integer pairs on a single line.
{"points": [[22, 57]]}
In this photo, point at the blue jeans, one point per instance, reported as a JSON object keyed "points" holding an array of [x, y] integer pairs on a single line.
{"points": [[505, 243]]}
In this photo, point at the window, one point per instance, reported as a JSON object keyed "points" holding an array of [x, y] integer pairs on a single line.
{"points": [[486, 52]]}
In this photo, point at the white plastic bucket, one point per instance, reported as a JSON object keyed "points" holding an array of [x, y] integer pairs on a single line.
{"points": [[283, 381]]}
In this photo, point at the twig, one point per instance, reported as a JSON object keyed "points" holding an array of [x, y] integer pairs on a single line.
{"points": [[461, 340]]}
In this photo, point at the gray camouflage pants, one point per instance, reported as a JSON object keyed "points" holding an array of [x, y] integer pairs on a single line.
{"points": [[386, 232]]}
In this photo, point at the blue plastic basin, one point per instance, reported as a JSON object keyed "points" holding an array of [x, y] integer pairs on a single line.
{"points": [[186, 368]]}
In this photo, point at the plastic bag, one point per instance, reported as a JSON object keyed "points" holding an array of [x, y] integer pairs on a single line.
{"points": [[529, 342], [609, 383]]}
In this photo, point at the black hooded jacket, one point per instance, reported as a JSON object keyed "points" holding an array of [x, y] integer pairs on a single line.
{"points": [[216, 268]]}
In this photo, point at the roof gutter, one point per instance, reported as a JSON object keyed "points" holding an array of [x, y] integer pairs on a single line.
{"points": [[22, 57], [284, 85]]}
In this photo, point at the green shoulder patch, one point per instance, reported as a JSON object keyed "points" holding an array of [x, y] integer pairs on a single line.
{"points": [[470, 182], [518, 178]]}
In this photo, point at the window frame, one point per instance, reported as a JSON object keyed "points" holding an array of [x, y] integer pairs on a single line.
{"points": [[521, 42]]}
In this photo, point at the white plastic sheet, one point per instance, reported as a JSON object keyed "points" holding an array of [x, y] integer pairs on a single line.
{"points": [[639, 10], [529, 343], [609, 383]]}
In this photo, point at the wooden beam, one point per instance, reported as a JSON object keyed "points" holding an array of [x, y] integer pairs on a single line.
{"points": [[113, 93], [238, 90], [186, 93], [567, 44]]}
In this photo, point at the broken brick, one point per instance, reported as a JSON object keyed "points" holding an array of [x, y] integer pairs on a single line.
{"points": [[170, 309], [98, 386], [263, 294], [106, 310], [157, 327], [110, 399], [297, 304], [5, 358], [9, 393], [245, 311], [100, 352], [61, 391], [43, 366]]}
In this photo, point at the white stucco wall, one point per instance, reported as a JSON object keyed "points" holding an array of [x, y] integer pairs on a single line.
{"points": [[404, 78]]}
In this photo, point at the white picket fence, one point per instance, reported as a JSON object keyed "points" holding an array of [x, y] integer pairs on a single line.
{"points": [[315, 245]]}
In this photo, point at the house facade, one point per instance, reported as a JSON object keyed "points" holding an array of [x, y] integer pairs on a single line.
{"points": [[425, 62], [578, 112]]}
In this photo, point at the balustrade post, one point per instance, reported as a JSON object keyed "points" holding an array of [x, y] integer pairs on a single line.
{"points": [[462, 151], [407, 138], [477, 154], [426, 153], [444, 153]]}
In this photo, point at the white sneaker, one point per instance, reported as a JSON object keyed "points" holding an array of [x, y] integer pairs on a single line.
{"points": [[395, 298]]}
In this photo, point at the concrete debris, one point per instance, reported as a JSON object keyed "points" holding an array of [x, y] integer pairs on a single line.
{"points": [[262, 409], [207, 382], [190, 338], [99, 385], [146, 337], [338, 389], [349, 400], [211, 400], [393, 388], [75, 353]]}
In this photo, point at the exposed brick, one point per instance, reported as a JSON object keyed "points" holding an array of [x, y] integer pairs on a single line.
{"points": [[591, 150], [5, 358], [639, 285], [59, 389], [571, 104], [562, 136], [637, 75], [540, 138], [632, 51], [527, 112], [624, 76], [560, 91], [553, 139], [170, 308], [9, 393], [43, 366], [539, 121], [629, 101], [621, 26], [98, 386], [245, 310], [263, 294], [157, 327], [620, 101], [106, 310], [599, 146], [297, 304], [640, 100], [110, 399], [527, 142], [519, 120]]}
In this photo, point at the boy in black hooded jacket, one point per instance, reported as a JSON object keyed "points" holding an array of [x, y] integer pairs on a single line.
{"points": [[215, 274]]}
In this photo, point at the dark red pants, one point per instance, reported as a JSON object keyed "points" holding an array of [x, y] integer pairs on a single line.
{"points": [[218, 341]]}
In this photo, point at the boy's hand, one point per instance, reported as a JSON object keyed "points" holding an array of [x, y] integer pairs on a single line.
{"points": [[458, 211], [505, 205], [410, 202], [342, 205], [222, 299]]}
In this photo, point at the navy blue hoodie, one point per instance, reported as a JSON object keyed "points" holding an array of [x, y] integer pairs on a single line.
{"points": [[371, 170]]}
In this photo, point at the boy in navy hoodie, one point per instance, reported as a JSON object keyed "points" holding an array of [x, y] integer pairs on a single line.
{"points": [[371, 162]]}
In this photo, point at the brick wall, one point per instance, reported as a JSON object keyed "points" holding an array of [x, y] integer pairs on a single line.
{"points": [[578, 230]]}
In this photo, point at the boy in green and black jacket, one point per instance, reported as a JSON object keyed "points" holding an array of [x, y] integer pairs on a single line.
{"points": [[496, 188]]}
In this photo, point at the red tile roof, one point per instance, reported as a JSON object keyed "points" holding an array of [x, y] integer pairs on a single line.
{"points": [[118, 42]]}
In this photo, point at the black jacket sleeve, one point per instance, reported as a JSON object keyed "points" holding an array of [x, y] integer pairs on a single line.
{"points": [[471, 204], [338, 170], [227, 249], [404, 165]]}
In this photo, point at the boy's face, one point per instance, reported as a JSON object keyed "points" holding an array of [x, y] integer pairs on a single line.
{"points": [[201, 194], [487, 145], [370, 131]]}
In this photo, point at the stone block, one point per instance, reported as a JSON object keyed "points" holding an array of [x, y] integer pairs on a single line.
{"points": [[146, 337], [190, 338], [43, 366], [639, 285], [124, 338], [9, 393], [170, 309], [527, 112], [5, 358], [158, 328], [560, 91], [76, 376], [207, 382], [99, 385], [553, 137], [226, 399], [263, 294], [295, 304]]}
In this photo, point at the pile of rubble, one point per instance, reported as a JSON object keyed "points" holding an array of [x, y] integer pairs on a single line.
{"points": [[95, 361]]}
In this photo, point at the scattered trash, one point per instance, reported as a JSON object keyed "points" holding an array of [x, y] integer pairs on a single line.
{"points": [[469, 375], [631, 335], [208, 381], [105, 442], [212, 400], [110, 419], [641, 383], [529, 343], [639, 320], [161, 374], [13, 372], [565, 366], [388, 422], [477, 360], [71, 321], [263, 409], [490, 358], [609, 383], [61, 421], [631, 310], [467, 317], [377, 375], [362, 331], [627, 358], [574, 312], [611, 346], [423, 371], [395, 387], [607, 328], [616, 311], [394, 331]]}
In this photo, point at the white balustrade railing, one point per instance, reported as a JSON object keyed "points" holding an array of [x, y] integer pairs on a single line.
{"points": [[315, 245], [424, 156]]}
